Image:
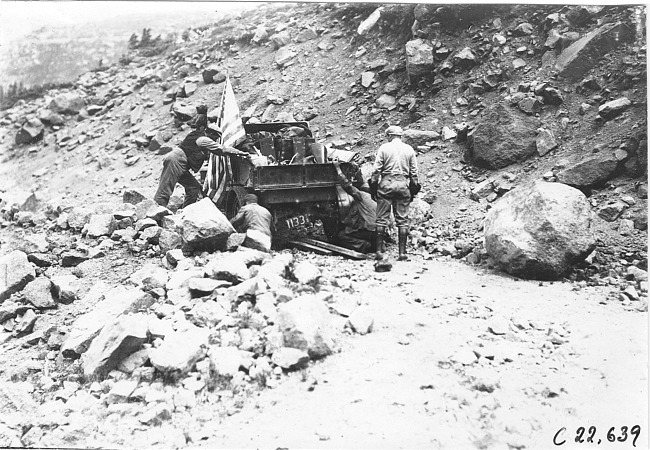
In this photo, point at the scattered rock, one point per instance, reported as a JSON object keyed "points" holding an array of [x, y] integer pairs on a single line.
{"points": [[226, 360], [39, 293], [225, 267], [290, 358], [419, 137], [464, 356], [180, 351], [361, 321], [581, 56], [116, 341], [614, 108], [419, 57], [109, 304], [73, 259], [15, 272], [499, 325], [132, 197], [101, 225], [257, 240], [306, 324], [306, 272], [611, 211], [67, 103], [66, 288], [31, 131], [590, 172]]}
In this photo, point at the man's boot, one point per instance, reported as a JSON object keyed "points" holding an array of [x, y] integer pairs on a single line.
{"points": [[381, 246], [403, 234]]}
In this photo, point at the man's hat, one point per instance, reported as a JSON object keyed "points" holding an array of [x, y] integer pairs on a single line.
{"points": [[211, 128], [250, 198], [202, 109], [394, 130]]}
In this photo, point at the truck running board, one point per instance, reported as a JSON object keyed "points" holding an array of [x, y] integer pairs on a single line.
{"points": [[320, 247], [309, 248]]}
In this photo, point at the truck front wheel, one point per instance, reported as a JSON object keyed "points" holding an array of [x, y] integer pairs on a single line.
{"points": [[235, 201]]}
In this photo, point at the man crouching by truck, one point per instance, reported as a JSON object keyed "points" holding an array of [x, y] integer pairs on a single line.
{"points": [[256, 221], [191, 154], [359, 230]]}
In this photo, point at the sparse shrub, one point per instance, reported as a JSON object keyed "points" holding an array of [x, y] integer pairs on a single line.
{"points": [[125, 59]]}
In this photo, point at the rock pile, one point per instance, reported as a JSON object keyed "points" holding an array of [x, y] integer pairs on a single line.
{"points": [[227, 321]]}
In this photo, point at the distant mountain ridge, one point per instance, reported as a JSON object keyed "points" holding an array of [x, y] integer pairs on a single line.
{"points": [[60, 54]]}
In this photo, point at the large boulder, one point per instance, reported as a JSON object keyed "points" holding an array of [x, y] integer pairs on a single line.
{"points": [[503, 137], [584, 54], [67, 103], [419, 57], [538, 231], [306, 324], [203, 226], [31, 131], [590, 172], [110, 304], [15, 272], [116, 341]]}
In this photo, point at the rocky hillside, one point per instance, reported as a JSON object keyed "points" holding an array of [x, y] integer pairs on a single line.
{"points": [[489, 98], [492, 98]]}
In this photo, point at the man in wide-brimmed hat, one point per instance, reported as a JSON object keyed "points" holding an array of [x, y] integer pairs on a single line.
{"points": [[191, 154]]}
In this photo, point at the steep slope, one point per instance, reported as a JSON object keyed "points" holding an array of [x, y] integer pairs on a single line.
{"points": [[321, 80]]}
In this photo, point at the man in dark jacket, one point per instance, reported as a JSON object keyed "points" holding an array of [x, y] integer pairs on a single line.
{"points": [[191, 154]]}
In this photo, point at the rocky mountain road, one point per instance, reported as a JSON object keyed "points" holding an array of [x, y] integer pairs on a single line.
{"points": [[460, 358]]}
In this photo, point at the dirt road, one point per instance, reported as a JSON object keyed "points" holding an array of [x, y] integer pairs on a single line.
{"points": [[564, 357]]}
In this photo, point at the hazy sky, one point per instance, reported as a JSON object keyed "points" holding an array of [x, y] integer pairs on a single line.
{"points": [[18, 18]]}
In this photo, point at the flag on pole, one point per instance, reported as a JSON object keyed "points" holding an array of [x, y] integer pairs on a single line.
{"points": [[219, 170]]}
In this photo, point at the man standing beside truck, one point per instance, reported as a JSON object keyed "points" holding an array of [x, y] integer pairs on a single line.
{"points": [[393, 184]]}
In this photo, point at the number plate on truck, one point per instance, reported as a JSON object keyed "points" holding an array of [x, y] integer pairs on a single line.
{"points": [[302, 220]]}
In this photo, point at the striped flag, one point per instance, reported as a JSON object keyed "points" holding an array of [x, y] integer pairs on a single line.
{"points": [[219, 170]]}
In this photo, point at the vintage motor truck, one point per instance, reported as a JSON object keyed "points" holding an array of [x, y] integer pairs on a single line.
{"points": [[293, 178]]}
